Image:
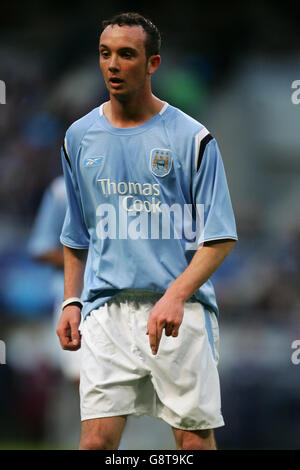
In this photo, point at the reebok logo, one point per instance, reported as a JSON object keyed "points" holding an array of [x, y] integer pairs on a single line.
{"points": [[93, 161]]}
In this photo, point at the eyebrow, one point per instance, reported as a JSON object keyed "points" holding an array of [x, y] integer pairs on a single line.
{"points": [[125, 48]]}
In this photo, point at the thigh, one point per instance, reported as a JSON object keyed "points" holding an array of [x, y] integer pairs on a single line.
{"points": [[113, 378], [195, 440], [102, 433]]}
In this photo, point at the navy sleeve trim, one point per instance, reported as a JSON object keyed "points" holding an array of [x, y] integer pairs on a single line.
{"points": [[67, 156], [203, 145]]}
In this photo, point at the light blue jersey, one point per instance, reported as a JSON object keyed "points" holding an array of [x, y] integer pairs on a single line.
{"points": [[142, 199], [45, 235], [47, 226]]}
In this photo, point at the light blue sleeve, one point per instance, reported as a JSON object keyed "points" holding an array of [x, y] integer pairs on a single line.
{"points": [[47, 225], [74, 232], [210, 189]]}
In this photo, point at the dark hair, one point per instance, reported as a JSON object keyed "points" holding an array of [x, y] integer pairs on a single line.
{"points": [[153, 40]]}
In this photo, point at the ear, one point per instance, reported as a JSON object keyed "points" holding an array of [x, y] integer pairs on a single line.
{"points": [[153, 64]]}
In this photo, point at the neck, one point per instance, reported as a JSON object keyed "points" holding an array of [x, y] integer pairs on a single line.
{"points": [[133, 111]]}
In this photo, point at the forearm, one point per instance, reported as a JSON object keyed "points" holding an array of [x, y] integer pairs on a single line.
{"points": [[168, 312], [68, 326], [204, 263], [74, 266]]}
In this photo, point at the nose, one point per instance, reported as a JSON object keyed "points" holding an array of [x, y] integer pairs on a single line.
{"points": [[113, 63]]}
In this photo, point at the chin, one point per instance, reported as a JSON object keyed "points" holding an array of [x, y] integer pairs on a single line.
{"points": [[120, 95]]}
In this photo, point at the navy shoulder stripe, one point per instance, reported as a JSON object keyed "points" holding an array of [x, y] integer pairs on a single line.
{"points": [[67, 156], [203, 144]]}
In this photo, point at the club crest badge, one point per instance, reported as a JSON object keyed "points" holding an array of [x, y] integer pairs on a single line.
{"points": [[161, 162]]}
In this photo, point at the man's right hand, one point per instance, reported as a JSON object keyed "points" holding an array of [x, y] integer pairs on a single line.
{"points": [[67, 329]]}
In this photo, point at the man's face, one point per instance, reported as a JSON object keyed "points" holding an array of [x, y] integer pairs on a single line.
{"points": [[123, 60]]}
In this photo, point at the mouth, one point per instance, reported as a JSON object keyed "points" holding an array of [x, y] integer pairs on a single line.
{"points": [[114, 81]]}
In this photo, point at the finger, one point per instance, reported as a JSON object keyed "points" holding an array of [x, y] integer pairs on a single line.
{"points": [[159, 330], [63, 334], [175, 331], [75, 335], [168, 329], [71, 347], [152, 336], [65, 338], [67, 342]]}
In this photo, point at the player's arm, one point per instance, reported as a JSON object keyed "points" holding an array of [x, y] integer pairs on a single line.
{"points": [[74, 234], [209, 189], [67, 329], [44, 245], [168, 311], [54, 257]]}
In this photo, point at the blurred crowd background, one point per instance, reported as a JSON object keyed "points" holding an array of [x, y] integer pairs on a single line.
{"points": [[230, 65]]}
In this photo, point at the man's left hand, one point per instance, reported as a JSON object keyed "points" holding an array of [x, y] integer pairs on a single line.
{"points": [[166, 314]]}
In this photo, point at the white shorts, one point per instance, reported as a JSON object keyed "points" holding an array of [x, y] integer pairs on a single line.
{"points": [[120, 376]]}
